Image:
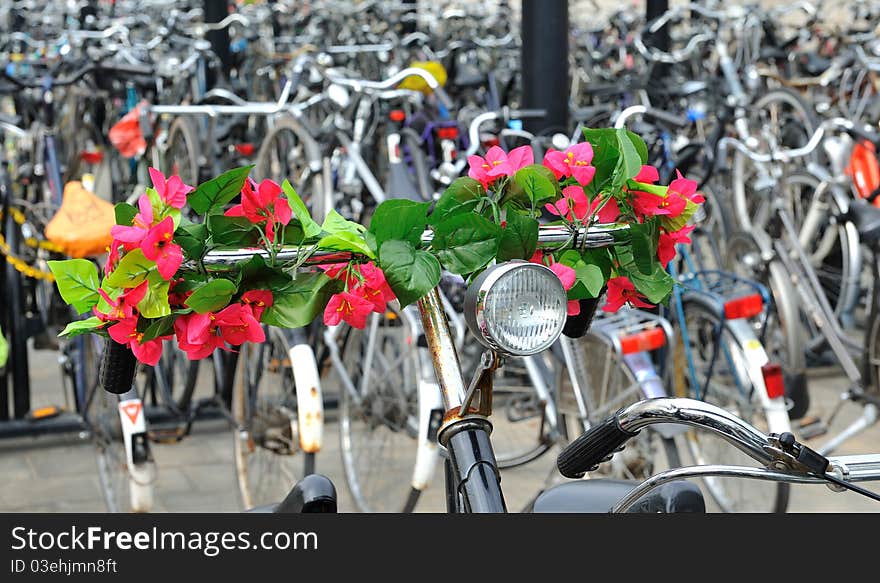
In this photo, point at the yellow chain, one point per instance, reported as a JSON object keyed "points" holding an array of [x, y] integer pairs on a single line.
{"points": [[19, 264]]}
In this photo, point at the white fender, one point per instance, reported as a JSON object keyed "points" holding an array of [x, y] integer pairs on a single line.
{"points": [[428, 453], [309, 401]]}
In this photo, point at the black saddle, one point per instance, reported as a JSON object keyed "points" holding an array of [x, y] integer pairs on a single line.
{"points": [[866, 218], [314, 493], [600, 495]]}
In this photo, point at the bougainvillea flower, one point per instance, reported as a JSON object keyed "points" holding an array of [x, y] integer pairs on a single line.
{"points": [[667, 242], [263, 202], [374, 288], [238, 325], [621, 291], [348, 307], [649, 205], [519, 158], [609, 213], [647, 174], [133, 235], [124, 306], [172, 191], [686, 189], [197, 335], [157, 246], [125, 332], [497, 163], [568, 277], [574, 204], [574, 162], [258, 300]]}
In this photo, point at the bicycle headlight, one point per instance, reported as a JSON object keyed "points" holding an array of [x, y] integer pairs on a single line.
{"points": [[517, 308]]}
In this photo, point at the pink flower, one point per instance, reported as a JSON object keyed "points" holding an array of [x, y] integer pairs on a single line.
{"points": [[157, 246], [125, 332], [132, 236], [375, 288], [263, 202], [574, 162], [609, 213], [172, 191], [124, 306], [238, 325], [686, 189], [667, 242], [348, 307], [197, 335], [647, 174], [497, 164], [568, 277], [620, 291], [258, 300], [648, 205], [574, 204]]}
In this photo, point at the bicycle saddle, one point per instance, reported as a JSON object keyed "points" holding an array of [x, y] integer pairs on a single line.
{"points": [[314, 493], [600, 495], [866, 219]]}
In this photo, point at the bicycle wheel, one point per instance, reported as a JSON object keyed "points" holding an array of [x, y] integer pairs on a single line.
{"points": [[266, 445], [607, 383], [779, 119], [719, 357], [182, 152], [378, 423]]}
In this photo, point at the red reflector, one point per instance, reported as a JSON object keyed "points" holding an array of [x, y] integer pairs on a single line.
{"points": [[447, 133], [397, 115], [490, 141], [773, 379], [744, 307], [246, 149], [641, 341], [91, 157]]}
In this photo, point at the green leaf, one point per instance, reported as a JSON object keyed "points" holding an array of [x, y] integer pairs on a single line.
{"points": [[639, 145], [300, 211], [192, 238], [212, 296], [600, 258], [589, 277], [161, 210], [462, 196], [336, 223], [125, 214], [160, 327], [655, 286], [536, 181], [399, 219], [232, 231], [155, 302], [606, 153], [410, 272], [297, 305], [644, 244], [79, 327], [345, 241], [77, 281], [4, 349], [466, 242], [255, 274], [672, 224], [218, 191], [132, 270], [519, 238], [628, 163]]}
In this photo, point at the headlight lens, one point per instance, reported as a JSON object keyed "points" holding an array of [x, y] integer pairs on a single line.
{"points": [[517, 308]]}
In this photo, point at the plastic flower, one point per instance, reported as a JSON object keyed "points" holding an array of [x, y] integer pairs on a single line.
{"points": [[124, 306], [686, 189], [497, 164], [125, 332], [568, 277], [132, 236], [197, 335], [260, 203], [157, 246], [348, 307], [667, 242], [172, 191], [574, 162], [238, 325], [609, 213], [649, 205], [621, 291], [574, 204], [258, 300], [375, 288]]}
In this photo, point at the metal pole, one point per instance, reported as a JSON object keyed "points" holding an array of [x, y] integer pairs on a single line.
{"points": [[659, 40], [215, 11], [545, 63], [410, 25]]}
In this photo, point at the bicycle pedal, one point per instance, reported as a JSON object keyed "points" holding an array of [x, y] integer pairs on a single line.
{"points": [[44, 413], [172, 435], [811, 427]]}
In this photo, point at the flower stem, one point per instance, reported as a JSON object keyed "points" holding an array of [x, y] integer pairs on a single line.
{"points": [[655, 189]]}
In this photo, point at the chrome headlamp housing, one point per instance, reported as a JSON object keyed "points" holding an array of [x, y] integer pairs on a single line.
{"points": [[516, 308]]}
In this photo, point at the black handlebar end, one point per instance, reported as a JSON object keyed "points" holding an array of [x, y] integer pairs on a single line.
{"points": [[592, 448], [118, 366]]}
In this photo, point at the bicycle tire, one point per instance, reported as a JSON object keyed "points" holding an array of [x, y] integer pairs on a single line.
{"points": [[708, 449], [182, 151], [266, 446]]}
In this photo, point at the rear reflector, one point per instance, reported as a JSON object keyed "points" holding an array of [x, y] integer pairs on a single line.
{"points": [[773, 379], [447, 133], [245, 149], [91, 157], [397, 115], [744, 307], [643, 341]]}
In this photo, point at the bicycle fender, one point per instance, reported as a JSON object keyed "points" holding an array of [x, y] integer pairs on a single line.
{"points": [[310, 402]]}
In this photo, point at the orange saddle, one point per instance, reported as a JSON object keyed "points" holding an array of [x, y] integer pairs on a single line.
{"points": [[81, 227]]}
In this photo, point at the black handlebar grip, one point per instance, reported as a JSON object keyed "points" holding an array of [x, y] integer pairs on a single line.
{"points": [[591, 448], [117, 368]]}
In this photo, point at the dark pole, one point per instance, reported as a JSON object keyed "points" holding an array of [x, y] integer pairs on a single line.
{"points": [[660, 40], [545, 63], [410, 25], [215, 11]]}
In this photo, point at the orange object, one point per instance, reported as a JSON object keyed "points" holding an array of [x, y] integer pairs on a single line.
{"points": [[81, 227], [744, 307], [864, 170], [643, 341], [126, 135]]}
